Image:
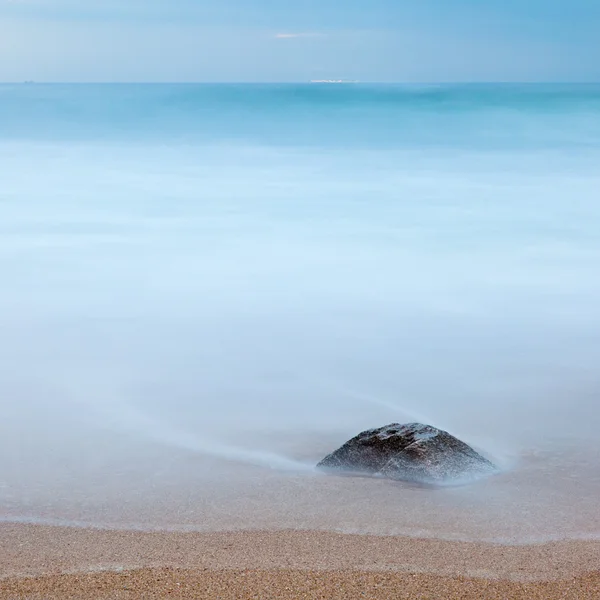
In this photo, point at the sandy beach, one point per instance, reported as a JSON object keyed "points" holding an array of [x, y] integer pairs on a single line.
{"points": [[56, 562]]}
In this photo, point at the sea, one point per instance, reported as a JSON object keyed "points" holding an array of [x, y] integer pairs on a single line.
{"points": [[204, 289]]}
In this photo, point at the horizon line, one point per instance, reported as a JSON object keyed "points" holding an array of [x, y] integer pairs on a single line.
{"points": [[297, 82]]}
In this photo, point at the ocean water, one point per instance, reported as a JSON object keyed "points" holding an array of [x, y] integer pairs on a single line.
{"points": [[207, 288]]}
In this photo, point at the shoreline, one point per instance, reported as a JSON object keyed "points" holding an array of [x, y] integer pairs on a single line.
{"points": [[66, 562]]}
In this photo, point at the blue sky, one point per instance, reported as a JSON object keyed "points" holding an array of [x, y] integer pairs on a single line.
{"points": [[287, 40]]}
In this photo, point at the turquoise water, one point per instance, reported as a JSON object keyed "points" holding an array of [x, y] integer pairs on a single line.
{"points": [[233, 279], [515, 117]]}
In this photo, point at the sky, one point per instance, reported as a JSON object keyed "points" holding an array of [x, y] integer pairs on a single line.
{"points": [[299, 40]]}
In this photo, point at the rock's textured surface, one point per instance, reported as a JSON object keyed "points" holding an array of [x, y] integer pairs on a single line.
{"points": [[412, 452]]}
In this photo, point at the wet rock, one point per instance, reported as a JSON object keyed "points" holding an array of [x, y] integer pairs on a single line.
{"points": [[412, 452]]}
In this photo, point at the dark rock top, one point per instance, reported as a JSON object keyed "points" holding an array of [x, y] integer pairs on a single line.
{"points": [[412, 452]]}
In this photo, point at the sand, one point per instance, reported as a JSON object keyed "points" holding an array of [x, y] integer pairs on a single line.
{"points": [[59, 562], [287, 583]]}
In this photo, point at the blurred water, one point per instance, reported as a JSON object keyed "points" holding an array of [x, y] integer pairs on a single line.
{"points": [[207, 288]]}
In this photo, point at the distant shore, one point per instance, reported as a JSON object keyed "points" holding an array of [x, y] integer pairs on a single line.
{"points": [[59, 562]]}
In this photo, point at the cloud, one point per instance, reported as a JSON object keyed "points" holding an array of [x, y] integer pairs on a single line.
{"points": [[288, 36]]}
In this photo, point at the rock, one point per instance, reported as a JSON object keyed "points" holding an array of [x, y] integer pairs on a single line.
{"points": [[412, 452]]}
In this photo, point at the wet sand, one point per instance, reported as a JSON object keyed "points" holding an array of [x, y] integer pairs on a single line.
{"points": [[55, 562]]}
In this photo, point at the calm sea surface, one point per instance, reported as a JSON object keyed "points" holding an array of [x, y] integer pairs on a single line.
{"points": [[206, 288]]}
